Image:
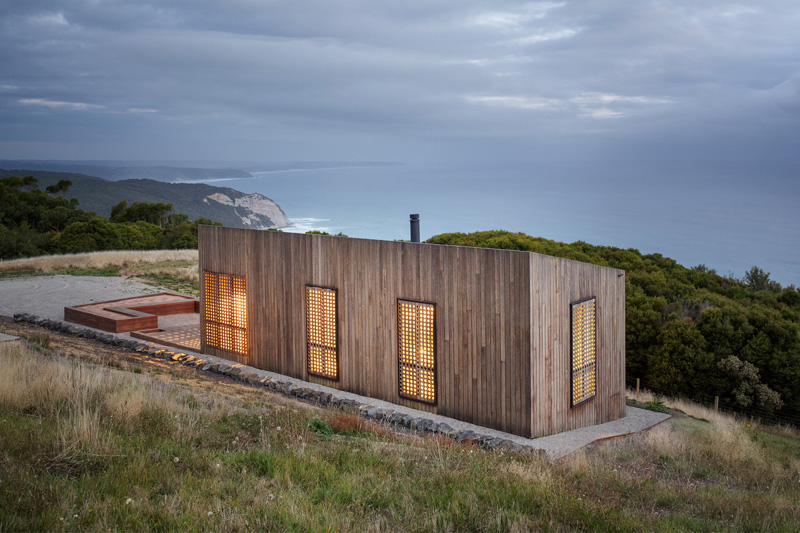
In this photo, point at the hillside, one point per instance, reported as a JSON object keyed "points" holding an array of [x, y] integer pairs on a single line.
{"points": [[179, 171], [123, 171], [228, 206], [96, 437]]}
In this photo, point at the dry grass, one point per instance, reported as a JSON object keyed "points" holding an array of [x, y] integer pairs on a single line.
{"points": [[189, 273], [80, 395], [176, 270], [721, 441], [98, 260], [344, 422]]}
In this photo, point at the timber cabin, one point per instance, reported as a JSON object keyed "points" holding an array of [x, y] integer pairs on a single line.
{"points": [[521, 342]]}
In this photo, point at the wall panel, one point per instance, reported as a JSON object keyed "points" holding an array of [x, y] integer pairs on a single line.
{"points": [[556, 284], [502, 321]]}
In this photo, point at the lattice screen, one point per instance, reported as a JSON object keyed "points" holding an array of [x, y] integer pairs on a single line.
{"points": [[416, 350], [321, 332], [584, 363], [225, 319]]}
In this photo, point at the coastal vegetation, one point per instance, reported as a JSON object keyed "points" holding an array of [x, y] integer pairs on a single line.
{"points": [[95, 440], [691, 332], [36, 222]]}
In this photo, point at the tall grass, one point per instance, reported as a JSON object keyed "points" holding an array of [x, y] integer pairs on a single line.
{"points": [[88, 447], [99, 260], [722, 443], [174, 269]]}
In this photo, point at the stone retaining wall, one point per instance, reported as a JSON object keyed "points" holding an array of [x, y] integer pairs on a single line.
{"points": [[390, 417]]}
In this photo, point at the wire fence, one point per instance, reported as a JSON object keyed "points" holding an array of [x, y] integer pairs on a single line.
{"points": [[767, 416]]}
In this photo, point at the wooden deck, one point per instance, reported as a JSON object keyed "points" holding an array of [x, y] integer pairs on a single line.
{"points": [[182, 337], [130, 314]]}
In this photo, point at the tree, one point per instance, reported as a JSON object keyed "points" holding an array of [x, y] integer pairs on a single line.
{"points": [[756, 279], [746, 386], [157, 213], [680, 364], [60, 188]]}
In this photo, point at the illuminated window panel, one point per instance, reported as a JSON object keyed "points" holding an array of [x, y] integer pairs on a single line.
{"points": [[416, 348], [225, 319], [584, 362], [323, 352]]}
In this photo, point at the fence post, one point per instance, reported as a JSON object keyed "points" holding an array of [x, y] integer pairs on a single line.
{"points": [[716, 403], [637, 385]]}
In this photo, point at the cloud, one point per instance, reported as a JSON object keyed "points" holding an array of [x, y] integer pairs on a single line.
{"points": [[513, 20], [49, 19], [547, 36], [56, 104], [786, 94], [404, 79], [594, 105]]}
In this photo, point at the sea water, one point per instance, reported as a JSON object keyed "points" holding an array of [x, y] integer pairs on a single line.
{"points": [[726, 222]]}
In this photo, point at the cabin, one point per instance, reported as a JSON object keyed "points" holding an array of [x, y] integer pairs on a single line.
{"points": [[521, 342]]}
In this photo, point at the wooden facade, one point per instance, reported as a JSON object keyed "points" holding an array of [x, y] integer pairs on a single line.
{"points": [[502, 322]]}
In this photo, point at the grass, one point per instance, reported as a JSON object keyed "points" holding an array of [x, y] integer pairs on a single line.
{"points": [[86, 446], [176, 270]]}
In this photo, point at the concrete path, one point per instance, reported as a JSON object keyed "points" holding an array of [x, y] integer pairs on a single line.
{"points": [[46, 296], [8, 338]]}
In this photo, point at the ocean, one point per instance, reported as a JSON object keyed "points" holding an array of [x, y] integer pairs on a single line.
{"points": [[727, 222]]}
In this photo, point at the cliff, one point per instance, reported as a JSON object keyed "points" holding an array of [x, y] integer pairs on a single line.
{"points": [[231, 207]]}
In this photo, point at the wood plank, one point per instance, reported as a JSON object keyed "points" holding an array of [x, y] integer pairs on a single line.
{"points": [[502, 321]]}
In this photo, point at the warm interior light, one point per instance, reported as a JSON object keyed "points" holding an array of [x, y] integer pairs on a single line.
{"points": [[583, 351], [321, 332], [225, 317], [416, 350]]}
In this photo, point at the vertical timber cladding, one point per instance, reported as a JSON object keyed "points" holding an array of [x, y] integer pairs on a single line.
{"points": [[482, 300], [502, 322], [223, 251], [556, 284]]}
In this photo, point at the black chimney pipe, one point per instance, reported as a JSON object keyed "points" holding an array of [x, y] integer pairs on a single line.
{"points": [[414, 228]]}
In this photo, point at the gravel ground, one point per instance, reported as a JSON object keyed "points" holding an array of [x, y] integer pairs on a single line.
{"points": [[46, 296]]}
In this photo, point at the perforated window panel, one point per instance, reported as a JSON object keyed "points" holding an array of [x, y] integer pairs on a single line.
{"points": [[416, 348], [584, 360], [321, 332], [225, 318]]}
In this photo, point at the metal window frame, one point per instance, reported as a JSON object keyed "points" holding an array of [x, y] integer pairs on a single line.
{"points": [[435, 354], [572, 352], [336, 328]]}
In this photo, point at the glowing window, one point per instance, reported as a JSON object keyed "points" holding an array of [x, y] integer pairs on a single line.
{"points": [[225, 312], [323, 353], [584, 363], [416, 348]]}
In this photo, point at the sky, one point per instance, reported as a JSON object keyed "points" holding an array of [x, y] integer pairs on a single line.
{"points": [[711, 85]]}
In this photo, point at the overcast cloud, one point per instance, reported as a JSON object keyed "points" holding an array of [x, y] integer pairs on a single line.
{"points": [[712, 82]]}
